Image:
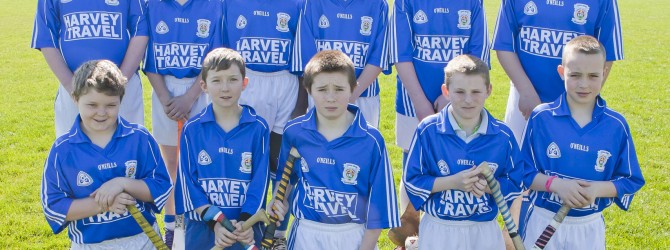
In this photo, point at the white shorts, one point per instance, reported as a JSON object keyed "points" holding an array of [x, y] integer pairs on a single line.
{"points": [[443, 234], [587, 232], [404, 130], [139, 241], [132, 106], [272, 95], [306, 234], [369, 107], [164, 128], [513, 117]]}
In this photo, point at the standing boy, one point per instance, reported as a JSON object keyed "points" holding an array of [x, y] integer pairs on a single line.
{"points": [[578, 153]]}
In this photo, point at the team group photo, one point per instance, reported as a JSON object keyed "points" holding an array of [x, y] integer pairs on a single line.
{"points": [[334, 124]]}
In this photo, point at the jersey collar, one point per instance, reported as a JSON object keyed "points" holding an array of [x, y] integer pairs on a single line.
{"points": [[560, 106], [358, 127], [248, 114], [76, 135], [445, 125]]}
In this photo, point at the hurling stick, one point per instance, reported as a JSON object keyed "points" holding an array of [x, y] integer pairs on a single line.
{"points": [[549, 231], [259, 216], [268, 236], [147, 228]]}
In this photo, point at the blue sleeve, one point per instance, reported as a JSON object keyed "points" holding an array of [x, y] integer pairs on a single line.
{"points": [[55, 193], [154, 173], [46, 26], [259, 177], [530, 168], [510, 177], [286, 145], [506, 28], [418, 182], [609, 31], [189, 194], [400, 37], [627, 176], [137, 20], [304, 46], [378, 53], [478, 45], [383, 205], [149, 64]]}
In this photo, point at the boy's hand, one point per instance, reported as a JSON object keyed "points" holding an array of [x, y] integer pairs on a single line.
{"points": [[246, 237], [467, 179], [571, 192], [222, 237], [106, 193], [440, 103], [120, 203], [528, 100], [590, 193], [480, 187], [279, 209], [180, 107]]}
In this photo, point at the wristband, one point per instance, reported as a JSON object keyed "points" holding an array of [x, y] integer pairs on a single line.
{"points": [[548, 183]]}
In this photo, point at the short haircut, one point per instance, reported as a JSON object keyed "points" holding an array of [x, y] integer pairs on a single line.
{"points": [[469, 65], [329, 61], [585, 44], [222, 59], [101, 75]]}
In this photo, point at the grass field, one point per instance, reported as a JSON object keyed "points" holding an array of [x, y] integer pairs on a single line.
{"points": [[636, 88]]}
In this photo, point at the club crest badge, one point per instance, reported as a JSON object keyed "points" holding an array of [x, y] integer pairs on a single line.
{"points": [[420, 17], [553, 151], [131, 168], [241, 22], [530, 8], [350, 174], [203, 158], [246, 163], [444, 168], [203, 28], [65, 1], [112, 2], [580, 14], [282, 22], [162, 28], [323, 22], [493, 167], [366, 25], [464, 19], [303, 166], [83, 179], [603, 155]]}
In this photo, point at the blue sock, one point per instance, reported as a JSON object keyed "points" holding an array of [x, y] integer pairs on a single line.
{"points": [[169, 221]]}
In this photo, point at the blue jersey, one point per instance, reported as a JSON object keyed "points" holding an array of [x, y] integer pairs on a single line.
{"points": [[76, 167], [429, 34], [437, 151], [603, 150], [181, 36], [88, 30], [239, 183], [262, 31], [358, 28], [537, 32], [346, 180]]}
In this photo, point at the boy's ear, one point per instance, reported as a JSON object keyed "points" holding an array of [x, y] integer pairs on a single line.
{"points": [[203, 86], [445, 91], [560, 69], [245, 83], [489, 89]]}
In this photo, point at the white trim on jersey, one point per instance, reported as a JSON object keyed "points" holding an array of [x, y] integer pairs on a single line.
{"points": [[618, 40]]}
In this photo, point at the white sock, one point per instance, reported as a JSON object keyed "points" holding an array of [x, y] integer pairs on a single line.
{"points": [[169, 225]]}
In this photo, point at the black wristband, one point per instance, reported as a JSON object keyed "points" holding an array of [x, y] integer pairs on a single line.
{"points": [[204, 211], [211, 224], [244, 216]]}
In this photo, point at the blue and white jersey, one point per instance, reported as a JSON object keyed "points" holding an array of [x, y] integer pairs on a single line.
{"points": [[429, 34], [537, 31], [262, 31], [181, 36], [603, 150], [85, 30], [76, 168], [225, 169], [437, 151], [358, 28], [346, 180]]}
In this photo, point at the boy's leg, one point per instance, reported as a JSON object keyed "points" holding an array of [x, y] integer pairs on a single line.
{"points": [[513, 117], [65, 111], [370, 108], [132, 105]]}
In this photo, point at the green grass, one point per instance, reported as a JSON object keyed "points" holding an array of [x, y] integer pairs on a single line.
{"points": [[636, 88]]}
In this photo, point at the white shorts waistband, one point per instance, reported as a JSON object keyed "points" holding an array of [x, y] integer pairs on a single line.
{"points": [[568, 219], [179, 81], [259, 73], [452, 223], [313, 225]]}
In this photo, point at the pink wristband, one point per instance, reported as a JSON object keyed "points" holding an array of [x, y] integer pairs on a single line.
{"points": [[548, 183]]}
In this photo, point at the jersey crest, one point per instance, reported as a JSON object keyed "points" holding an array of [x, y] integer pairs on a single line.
{"points": [[246, 163], [530, 8], [112, 2], [420, 17], [162, 28], [203, 28], [303, 166], [603, 155], [366, 25], [65, 1], [553, 151], [580, 14], [350, 174], [323, 22], [444, 168], [131, 168], [241, 22], [464, 19], [83, 179], [203, 158], [282, 21]]}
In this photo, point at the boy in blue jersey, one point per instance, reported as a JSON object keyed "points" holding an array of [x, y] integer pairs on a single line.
{"points": [[424, 37], [358, 28], [579, 153], [440, 176], [344, 193], [102, 165], [69, 33], [223, 159], [181, 34]]}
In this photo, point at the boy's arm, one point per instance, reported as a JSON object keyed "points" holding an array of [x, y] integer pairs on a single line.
{"points": [[528, 97], [304, 45], [55, 194], [370, 238], [478, 45], [367, 77], [627, 178], [418, 183], [260, 179], [377, 56], [301, 103], [57, 65], [153, 184], [382, 210], [134, 54], [510, 177], [411, 83], [180, 106]]}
